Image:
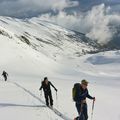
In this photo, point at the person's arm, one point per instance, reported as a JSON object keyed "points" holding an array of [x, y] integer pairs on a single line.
{"points": [[41, 87], [53, 86], [89, 96]]}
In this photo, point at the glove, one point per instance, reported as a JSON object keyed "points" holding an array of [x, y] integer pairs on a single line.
{"points": [[40, 88], [56, 90], [94, 98]]}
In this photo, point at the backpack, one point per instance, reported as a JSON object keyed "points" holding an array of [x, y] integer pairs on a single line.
{"points": [[75, 91]]}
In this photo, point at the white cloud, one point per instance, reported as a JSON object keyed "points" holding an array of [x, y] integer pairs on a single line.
{"points": [[95, 23], [17, 7]]}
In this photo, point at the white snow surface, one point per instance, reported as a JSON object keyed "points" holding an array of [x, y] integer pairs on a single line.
{"points": [[27, 67]]}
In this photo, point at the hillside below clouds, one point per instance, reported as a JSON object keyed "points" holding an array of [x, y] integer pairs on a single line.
{"points": [[47, 38]]}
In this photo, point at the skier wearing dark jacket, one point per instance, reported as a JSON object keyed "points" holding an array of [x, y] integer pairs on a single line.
{"points": [[81, 104], [47, 91], [5, 74]]}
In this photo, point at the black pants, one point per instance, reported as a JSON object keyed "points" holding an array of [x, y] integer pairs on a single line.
{"points": [[82, 111], [5, 77], [48, 97]]}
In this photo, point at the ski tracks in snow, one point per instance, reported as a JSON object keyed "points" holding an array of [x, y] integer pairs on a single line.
{"points": [[57, 112]]}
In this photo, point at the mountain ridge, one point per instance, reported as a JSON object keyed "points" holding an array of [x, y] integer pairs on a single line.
{"points": [[49, 38], [41, 35]]}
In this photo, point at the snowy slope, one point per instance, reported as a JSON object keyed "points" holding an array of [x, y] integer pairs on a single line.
{"points": [[103, 63], [28, 63], [50, 39]]}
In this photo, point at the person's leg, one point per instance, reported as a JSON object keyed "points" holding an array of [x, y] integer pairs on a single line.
{"points": [[78, 107], [46, 99], [81, 116], [80, 111], [85, 112], [5, 78], [51, 100]]}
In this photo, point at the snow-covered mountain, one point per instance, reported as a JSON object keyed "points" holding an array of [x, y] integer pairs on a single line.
{"points": [[46, 37], [32, 49]]}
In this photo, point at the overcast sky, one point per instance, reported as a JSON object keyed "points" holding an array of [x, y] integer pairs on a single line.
{"points": [[92, 17], [30, 8]]}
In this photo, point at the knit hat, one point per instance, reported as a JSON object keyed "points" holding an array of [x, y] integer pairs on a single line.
{"points": [[45, 78], [85, 82]]}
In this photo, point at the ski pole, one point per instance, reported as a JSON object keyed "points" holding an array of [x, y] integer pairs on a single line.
{"points": [[40, 93], [57, 99], [41, 90], [92, 109], [56, 96]]}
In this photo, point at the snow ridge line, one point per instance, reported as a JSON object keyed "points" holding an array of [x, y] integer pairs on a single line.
{"points": [[57, 112]]}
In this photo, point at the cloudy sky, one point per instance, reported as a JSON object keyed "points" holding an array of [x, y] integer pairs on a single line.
{"points": [[92, 17], [30, 8]]}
